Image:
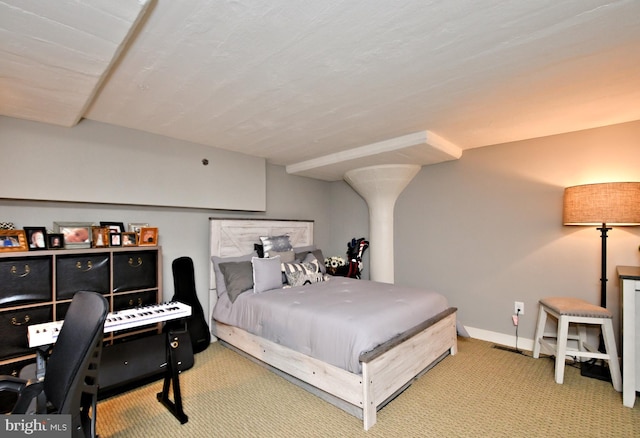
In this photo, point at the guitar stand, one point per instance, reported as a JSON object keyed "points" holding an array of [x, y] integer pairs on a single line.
{"points": [[172, 379]]}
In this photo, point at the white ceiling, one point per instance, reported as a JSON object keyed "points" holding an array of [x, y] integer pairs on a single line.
{"points": [[325, 86]]}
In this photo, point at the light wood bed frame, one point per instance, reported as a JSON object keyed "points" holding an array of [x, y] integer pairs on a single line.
{"points": [[386, 371]]}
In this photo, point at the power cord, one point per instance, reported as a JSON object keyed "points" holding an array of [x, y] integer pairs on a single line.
{"points": [[517, 325], [516, 322]]}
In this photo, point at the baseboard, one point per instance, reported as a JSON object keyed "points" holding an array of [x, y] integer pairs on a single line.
{"points": [[500, 338]]}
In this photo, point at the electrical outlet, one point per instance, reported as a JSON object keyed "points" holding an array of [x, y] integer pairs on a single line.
{"points": [[518, 308]]}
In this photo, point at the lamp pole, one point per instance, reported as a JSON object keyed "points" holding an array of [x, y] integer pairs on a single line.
{"points": [[603, 273]]}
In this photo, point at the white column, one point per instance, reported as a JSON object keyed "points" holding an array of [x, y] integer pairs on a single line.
{"points": [[380, 186]]}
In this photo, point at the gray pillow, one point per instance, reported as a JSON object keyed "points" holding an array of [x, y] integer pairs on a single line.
{"points": [[302, 250], [275, 243], [221, 287], [285, 256], [238, 278], [266, 274]]}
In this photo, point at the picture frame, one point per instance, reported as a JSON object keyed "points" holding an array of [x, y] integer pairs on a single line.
{"points": [[114, 227], [148, 236], [55, 241], [115, 239], [7, 226], [135, 227], [13, 240], [76, 234], [99, 237], [36, 238], [129, 239]]}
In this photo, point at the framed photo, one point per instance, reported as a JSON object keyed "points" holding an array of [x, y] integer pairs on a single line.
{"points": [[148, 236], [13, 240], [7, 226], [99, 237], [136, 227], [115, 239], [55, 241], [76, 234], [36, 238], [114, 227], [129, 239]]}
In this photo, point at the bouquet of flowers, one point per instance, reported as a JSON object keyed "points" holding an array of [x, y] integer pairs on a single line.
{"points": [[334, 262]]}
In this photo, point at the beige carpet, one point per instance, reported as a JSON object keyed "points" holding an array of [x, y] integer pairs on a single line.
{"points": [[480, 392]]}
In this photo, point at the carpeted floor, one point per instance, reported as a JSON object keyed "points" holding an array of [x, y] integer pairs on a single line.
{"points": [[480, 392]]}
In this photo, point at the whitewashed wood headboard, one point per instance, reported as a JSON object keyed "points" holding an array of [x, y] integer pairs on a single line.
{"points": [[236, 237]]}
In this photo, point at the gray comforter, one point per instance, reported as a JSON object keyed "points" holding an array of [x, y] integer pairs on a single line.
{"points": [[333, 321]]}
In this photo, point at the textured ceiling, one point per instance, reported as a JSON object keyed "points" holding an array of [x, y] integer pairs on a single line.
{"points": [[324, 86]]}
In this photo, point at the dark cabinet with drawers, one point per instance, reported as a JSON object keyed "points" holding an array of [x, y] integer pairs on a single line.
{"points": [[37, 287]]}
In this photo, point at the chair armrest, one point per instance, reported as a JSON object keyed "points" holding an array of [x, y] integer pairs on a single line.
{"points": [[11, 383], [27, 390]]}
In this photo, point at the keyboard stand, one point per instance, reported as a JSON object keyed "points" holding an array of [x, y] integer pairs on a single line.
{"points": [[42, 353], [172, 379]]}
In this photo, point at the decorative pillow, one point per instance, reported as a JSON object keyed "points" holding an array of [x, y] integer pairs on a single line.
{"points": [[266, 274], [238, 278], [316, 253], [221, 287], [259, 249], [299, 278], [307, 267], [275, 243]]}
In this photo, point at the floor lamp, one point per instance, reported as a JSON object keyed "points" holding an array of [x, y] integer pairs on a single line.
{"points": [[603, 205]]}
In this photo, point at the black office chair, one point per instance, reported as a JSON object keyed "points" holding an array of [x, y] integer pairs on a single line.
{"points": [[70, 383]]}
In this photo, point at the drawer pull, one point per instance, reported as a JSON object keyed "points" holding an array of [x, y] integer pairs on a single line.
{"points": [[89, 266], [25, 320], [132, 302], [133, 264], [14, 271]]}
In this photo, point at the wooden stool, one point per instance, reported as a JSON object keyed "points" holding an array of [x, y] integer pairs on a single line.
{"points": [[575, 311]]}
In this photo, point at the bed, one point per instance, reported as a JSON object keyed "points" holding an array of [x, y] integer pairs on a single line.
{"points": [[358, 373]]}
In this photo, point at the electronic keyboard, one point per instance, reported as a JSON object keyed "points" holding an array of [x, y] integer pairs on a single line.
{"points": [[47, 333]]}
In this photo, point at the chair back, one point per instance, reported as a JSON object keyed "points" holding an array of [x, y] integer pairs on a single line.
{"points": [[72, 368]]}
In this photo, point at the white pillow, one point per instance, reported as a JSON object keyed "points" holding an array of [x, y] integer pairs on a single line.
{"points": [[266, 274]]}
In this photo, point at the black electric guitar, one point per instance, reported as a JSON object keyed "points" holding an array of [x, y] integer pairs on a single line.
{"points": [[185, 291]]}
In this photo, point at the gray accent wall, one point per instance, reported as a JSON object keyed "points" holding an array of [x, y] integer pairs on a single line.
{"points": [[486, 230], [101, 163]]}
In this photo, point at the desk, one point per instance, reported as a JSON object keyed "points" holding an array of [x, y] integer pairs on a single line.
{"points": [[630, 295]]}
